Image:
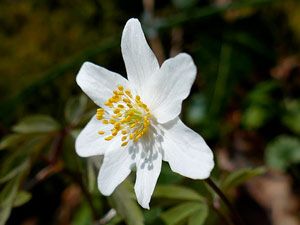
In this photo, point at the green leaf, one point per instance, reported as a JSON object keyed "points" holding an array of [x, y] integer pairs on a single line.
{"points": [[9, 192], [182, 4], [7, 196], [167, 176], [255, 116], [176, 192], [4, 214], [75, 107], [126, 206], [13, 165], [241, 176], [151, 216], [37, 124], [262, 93], [21, 198], [83, 215], [199, 217], [114, 221], [291, 118], [91, 176], [282, 152], [180, 212], [11, 140]]}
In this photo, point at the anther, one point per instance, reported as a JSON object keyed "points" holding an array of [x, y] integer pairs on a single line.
{"points": [[120, 87], [112, 121], [109, 138], [124, 143], [116, 111]]}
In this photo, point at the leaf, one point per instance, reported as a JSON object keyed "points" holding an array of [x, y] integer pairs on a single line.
{"points": [[11, 140], [127, 207], [262, 93], [13, 165], [4, 214], [291, 118], [83, 215], [180, 212], [282, 152], [91, 176], [9, 192], [199, 217], [151, 216], [176, 192], [21, 198], [114, 221], [255, 117], [75, 107], [241, 176], [7, 196], [37, 124], [182, 4]]}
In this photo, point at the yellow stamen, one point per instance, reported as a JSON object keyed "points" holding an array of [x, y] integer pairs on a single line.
{"points": [[124, 143], [112, 121], [116, 111], [131, 136], [99, 117], [132, 125], [109, 138], [129, 116], [126, 100]]}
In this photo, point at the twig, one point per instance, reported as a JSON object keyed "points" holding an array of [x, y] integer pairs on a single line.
{"points": [[235, 215]]}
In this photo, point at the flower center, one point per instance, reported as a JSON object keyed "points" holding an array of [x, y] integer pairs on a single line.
{"points": [[129, 116]]}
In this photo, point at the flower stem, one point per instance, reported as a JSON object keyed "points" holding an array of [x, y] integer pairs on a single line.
{"points": [[234, 214]]}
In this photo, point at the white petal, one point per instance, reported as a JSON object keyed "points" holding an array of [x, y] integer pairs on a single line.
{"points": [[117, 164], [148, 169], [169, 87], [186, 151], [139, 59], [98, 83], [89, 142]]}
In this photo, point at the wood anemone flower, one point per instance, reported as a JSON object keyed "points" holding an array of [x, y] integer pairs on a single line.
{"points": [[137, 124]]}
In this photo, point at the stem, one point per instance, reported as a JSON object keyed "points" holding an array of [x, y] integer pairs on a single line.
{"points": [[234, 214]]}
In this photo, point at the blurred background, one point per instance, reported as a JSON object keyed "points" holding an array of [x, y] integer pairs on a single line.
{"points": [[245, 103]]}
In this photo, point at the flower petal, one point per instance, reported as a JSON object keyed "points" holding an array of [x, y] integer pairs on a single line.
{"points": [[169, 87], [89, 142], [117, 164], [98, 83], [147, 172], [139, 59], [186, 151]]}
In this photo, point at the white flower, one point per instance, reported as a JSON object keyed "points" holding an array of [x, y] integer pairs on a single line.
{"points": [[138, 124]]}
